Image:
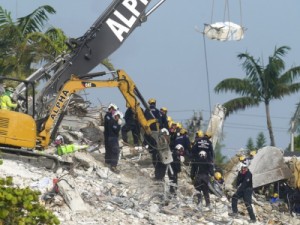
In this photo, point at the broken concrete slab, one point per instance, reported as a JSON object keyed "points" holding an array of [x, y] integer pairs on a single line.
{"points": [[268, 166]]}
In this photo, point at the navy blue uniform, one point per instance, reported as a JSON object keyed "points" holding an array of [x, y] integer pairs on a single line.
{"points": [[200, 170], [159, 167], [111, 134], [244, 190], [131, 124], [204, 144]]}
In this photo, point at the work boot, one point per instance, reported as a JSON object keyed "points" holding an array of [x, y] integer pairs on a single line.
{"points": [[115, 169], [252, 221], [233, 214]]}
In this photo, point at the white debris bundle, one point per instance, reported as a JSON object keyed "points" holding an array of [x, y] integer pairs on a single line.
{"points": [[224, 31]]}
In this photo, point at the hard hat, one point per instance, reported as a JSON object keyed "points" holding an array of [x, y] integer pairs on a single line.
{"points": [[199, 133], [244, 164], [253, 153], [218, 175], [202, 154], [179, 125], [11, 89], [275, 195], [242, 158], [151, 101], [164, 131], [208, 134], [118, 113], [169, 119], [59, 140], [164, 109], [179, 146], [183, 131], [112, 105]]}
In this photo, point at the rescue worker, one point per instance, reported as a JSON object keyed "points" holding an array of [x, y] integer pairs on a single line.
{"points": [[204, 144], [131, 124], [183, 139], [177, 152], [150, 142], [173, 134], [153, 111], [201, 170], [199, 134], [244, 190], [113, 130], [218, 177], [5, 99], [63, 149], [107, 119], [164, 118]]}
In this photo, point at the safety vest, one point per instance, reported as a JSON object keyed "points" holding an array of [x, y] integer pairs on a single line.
{"points": [[5, 102], [66, 149]]}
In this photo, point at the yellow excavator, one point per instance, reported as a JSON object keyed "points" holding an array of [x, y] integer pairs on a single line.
{"points": [[36, 125], [20, 131]]}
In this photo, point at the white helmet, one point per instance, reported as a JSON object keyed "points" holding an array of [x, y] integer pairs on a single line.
{"points": [[244, 164], [203, 154], [179, 146], [165, 131], [59, 140], [112, 105], [118, 113]]}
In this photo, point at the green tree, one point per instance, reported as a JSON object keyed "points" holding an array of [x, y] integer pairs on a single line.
{"points": [[23, 43], [260, 140], [261, 85], [250, 145]]}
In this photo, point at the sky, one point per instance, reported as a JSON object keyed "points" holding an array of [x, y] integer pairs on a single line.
{"points": [[166, 57]]}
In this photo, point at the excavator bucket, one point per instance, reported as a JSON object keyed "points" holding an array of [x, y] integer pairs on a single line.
{"points": [[163, 147], [268, 166]]}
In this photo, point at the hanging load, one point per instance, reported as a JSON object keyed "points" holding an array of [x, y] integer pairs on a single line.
{"points": [[224, 31]]}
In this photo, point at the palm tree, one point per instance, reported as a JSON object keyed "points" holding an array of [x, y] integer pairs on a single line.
{"points": [[23, 43], [261, 85]]}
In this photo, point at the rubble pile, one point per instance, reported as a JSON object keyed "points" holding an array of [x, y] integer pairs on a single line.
{"points": [[131, 197], [90, 193]]}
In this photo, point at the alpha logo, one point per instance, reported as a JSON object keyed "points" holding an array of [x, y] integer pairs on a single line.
{"points": [[131, 6], [59, 103], [88, 84]]}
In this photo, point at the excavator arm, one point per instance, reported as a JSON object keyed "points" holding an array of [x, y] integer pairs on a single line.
{"points": [[122, 81], [106, 35]]}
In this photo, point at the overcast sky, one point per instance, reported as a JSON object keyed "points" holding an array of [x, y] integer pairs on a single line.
{"points": [[165, 56]]}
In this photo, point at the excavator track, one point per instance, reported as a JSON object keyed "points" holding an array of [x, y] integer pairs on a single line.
{"points": [[38, 159]]}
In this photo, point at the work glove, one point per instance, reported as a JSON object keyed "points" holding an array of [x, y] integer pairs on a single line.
{"points": [[120, 122], [182, 159]]}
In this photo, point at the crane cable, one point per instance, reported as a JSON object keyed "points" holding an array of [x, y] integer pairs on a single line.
{"points": [[207, 74]]}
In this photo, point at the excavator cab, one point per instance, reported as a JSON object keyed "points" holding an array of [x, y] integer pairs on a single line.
{"points": [[18, 128]]}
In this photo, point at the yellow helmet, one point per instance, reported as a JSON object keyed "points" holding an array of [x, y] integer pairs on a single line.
{"points": [[179, 125], [151, 101], [200, 133], [208, 134], [275, 195], [183, 131], [218, 175], [170, 119], [253, 153], [164, 109], [242, 158]]}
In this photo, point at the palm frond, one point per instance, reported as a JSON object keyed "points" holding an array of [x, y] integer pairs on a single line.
{"points": [[34, 22], [241, 103]]}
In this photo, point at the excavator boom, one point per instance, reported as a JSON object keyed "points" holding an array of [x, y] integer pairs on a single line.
{"points": [[106, 35]]}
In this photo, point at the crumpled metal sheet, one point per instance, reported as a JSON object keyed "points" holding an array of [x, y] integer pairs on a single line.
{"points": [[268, 166]]}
